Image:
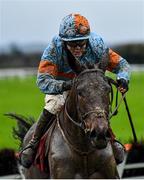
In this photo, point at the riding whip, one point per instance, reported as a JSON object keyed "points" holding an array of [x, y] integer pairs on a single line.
{"points": [[130, 120]]}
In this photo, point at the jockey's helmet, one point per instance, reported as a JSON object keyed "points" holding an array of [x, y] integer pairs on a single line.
{"points": [[74, 27]]}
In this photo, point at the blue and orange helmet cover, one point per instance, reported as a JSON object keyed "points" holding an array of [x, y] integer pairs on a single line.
{"points": [[74, 27]]}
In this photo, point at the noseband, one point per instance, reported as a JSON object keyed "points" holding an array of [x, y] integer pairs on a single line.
{"points": [[98, 111]]}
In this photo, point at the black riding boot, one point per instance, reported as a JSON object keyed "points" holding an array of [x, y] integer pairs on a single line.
{"points": [[27, 155]]}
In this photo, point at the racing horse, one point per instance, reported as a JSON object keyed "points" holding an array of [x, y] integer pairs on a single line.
{"points": [[78, 145]]}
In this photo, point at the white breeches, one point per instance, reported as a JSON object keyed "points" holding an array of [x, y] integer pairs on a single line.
{"points": [[53, 103]]}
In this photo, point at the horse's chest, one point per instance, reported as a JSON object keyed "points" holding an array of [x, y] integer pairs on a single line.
{"points": [[90, 163], [69, 163]]}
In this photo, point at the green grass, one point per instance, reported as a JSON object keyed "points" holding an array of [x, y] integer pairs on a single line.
{"points": [[21, 95]]}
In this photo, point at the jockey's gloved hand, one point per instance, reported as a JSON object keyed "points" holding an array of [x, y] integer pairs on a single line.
{"points": [[67, 85], [122, 85]]}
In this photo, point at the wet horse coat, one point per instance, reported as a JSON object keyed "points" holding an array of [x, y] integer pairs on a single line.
{"points": [[78, 146]]}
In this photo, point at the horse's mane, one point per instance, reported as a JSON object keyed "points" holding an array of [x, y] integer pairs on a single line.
{"points": [[23, 125]]}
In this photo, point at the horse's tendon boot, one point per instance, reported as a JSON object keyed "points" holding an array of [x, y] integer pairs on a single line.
{"points": [[119, 151]]}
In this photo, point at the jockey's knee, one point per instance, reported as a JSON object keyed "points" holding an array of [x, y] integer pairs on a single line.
{"points": [[54, 103]]}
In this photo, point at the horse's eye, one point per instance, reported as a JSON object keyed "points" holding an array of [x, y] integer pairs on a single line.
{"points": [[80, 93]]}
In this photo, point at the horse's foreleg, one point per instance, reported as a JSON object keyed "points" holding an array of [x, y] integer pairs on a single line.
{"points": [[111, 171], [61, 169], [34, 173]]}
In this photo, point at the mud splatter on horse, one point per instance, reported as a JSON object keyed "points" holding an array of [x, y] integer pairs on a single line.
{"points": [[77, 144]]}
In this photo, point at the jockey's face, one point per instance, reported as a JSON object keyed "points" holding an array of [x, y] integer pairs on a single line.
{"points": [[77, 48]]}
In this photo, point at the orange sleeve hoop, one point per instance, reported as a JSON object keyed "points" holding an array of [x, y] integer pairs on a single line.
{"points": [[46, 66], [114, 59]]}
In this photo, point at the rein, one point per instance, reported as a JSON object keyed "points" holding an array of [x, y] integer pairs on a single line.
{"points": [[117, 106], [81, 125], [99, 113], [111, 81]]}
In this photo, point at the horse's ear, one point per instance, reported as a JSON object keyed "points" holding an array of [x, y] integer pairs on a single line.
{"points": [[103, 64]]}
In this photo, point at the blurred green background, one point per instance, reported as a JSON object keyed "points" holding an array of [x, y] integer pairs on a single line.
{"points": [[22, 96]]}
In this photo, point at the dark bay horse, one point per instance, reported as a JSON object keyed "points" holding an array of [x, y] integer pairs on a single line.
{"points": [[77, 143]]}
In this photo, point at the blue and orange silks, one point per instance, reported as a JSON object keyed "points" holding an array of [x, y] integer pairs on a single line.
{"points": [[54, 68]]}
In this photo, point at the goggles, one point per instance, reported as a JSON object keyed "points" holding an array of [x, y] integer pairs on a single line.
{"points": [[74, 44]]}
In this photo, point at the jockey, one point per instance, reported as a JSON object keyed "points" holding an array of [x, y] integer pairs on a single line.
{"points": [[55, 74]]}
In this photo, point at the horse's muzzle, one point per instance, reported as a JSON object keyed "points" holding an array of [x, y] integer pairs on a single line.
{"points": [[98, 140]]}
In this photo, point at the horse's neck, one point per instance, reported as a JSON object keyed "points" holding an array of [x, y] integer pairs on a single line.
{"points": [[73, 133]]}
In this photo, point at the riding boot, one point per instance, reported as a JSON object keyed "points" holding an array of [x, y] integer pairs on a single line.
{"points": [[27, 155], [118, 148]]}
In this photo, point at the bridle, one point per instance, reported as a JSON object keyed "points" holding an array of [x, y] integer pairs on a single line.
{"points": [[98, 111]]}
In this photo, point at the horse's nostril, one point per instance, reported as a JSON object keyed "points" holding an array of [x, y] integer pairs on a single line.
{"points": [[93, 134], [98, 140]]}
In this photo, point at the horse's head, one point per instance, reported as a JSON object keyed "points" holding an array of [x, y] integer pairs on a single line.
{"points": [[91, 89], [92, 96]]}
